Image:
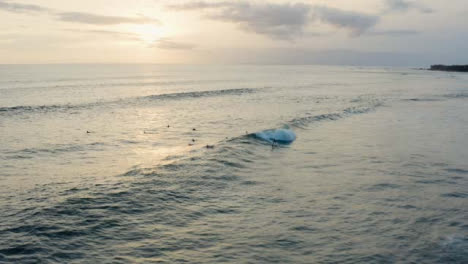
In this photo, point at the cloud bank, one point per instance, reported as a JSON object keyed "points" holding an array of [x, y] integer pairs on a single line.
{"points": [[284, 21], [356, 22], [88, 18], [280, 21], [404, 5], [394, 33], [76, 17], [128, 36], [20, 8]]}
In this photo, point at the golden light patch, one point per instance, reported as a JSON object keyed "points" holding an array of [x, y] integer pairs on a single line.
{"points": [[148, 33]]}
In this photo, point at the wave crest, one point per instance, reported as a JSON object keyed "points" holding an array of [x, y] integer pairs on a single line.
{"points": [[24, 109]]}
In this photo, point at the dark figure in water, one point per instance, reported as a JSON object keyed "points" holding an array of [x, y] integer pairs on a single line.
{"points": [[274, 144]]}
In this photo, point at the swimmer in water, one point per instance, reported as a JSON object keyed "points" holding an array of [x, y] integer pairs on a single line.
{"points": [[274, 144]]}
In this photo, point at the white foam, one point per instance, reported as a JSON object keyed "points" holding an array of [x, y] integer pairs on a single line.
{"points": [[283, 136]]}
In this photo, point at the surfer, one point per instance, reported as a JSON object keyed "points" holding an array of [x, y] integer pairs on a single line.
{"points": [[274, 143]]}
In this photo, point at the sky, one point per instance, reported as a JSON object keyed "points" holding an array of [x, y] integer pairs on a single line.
{"points": [[337, 32]]}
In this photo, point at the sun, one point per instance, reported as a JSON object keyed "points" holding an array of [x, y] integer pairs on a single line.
{"points": [[148, 33]]}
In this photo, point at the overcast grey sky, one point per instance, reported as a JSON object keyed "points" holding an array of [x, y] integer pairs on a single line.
{"points": [[351, 32]]}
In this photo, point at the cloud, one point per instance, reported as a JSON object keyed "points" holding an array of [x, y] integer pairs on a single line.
{"points": [[77, 17], [89, 18], [357, 22], [21, 8], [278, 21], [199, 5], [172, 45], [394, 33], [404, 5], [108, 33]]}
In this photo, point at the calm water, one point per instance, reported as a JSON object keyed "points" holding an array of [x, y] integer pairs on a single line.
{"points": [[378, 173]]}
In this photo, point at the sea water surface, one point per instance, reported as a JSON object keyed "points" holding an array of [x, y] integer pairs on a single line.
{"points": [[108, 164]]}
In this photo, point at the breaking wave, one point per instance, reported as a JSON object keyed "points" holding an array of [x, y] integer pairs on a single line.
{"points": [[23, 109], [303, 122]]}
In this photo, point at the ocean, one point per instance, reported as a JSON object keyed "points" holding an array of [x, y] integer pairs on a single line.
{"points": [[110, 164]]}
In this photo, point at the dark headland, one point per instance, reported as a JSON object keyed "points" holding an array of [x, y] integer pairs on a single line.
{"points": [[452, 68]]}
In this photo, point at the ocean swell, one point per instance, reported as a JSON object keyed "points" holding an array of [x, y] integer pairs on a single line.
{"points": [[26, 109]]}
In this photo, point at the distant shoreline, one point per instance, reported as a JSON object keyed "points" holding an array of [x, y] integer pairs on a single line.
{"points": [[451, 68]]}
